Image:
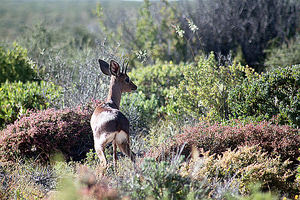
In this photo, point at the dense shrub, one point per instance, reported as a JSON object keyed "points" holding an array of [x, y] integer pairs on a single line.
{"points": [[277, 140], [46, 132], [140, 111], [249, 165], [160, 133], [276, 92], [204, 88], [155, 81], [287, 54], [15, 65], [169, 180], [17, 98]]}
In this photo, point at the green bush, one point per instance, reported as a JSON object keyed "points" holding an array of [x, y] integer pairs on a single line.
{"points": [[137, 106], [275, 93], [156, 35], [155, 81], [15, 65], [287, 54], [204, 89], [17, 98]]}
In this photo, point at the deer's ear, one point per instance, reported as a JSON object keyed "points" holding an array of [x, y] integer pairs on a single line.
{"points": [[114, 68], [104, 66]]}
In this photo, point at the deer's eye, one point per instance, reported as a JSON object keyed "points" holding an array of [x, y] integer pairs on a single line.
{"points": [[127, 79]]}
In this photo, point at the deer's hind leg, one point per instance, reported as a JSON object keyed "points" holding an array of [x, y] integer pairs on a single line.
{"points": [[100, 143], [122, 140]]}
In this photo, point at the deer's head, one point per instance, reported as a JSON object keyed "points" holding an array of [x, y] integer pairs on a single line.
{"points": [[118, 76]]}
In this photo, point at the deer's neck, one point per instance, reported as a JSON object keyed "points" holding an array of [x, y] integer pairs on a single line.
{"points": [[114, 93]]}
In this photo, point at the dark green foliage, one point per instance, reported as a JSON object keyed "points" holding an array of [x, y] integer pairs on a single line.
{"points": [[275, 93], [15, 65], [17, 98], [287, 54], [46, 132]]}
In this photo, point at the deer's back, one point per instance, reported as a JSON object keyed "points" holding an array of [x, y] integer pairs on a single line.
{"points": [[106, 119]]}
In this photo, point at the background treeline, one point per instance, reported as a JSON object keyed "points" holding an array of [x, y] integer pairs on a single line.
{"points": [[218, 98]]}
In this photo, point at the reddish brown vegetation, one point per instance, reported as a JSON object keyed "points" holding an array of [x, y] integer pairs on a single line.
{"points": [[275, 139], [43, 133]]}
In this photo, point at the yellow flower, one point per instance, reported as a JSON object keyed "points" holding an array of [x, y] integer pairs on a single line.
{"points": [[296, 197]]}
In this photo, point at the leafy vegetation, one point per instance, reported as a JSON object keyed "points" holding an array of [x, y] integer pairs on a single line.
{"points": [[203, 91], [155, 82], [17, 98], [275, 93], [15, 65]]}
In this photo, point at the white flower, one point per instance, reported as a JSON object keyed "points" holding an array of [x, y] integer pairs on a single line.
{"points": [[142, 55], [192, 26], [179, 31]]}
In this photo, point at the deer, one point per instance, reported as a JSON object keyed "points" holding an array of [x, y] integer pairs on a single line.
{"points": [[108, 123]]}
